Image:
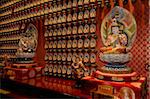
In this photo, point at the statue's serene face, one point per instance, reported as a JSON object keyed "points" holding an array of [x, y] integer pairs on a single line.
{"points": [[115, 30]]}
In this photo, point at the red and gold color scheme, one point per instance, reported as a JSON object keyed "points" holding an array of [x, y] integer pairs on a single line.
{"points": [[117, 90], [23, 73], [69, 28]]}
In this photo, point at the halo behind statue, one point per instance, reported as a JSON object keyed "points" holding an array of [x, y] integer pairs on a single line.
{"points": [[27, 45], [125, 22], [118, 31]]}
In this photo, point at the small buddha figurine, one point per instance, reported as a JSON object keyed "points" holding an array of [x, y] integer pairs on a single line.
{"points": [[6, 58], [78, 69]]}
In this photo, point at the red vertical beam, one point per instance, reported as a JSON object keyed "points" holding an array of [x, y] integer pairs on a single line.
{"points": [[36, 22], [131, 8], [41, 43], [112, 4], [121, 3], [40, 51]]}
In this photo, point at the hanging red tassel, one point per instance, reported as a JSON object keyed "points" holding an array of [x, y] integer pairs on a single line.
{"points": [[111, 3], [103, 12], [131, 8], [121, 3]]}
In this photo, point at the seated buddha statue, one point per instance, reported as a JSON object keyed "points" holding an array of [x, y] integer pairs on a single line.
{"points": [[117, 40], [27, 44], [28, 40]]}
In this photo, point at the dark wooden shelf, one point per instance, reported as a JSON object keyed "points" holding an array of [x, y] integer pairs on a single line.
{"points": [[44, 87]]}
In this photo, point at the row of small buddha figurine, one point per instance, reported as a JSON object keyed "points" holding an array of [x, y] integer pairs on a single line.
{"points": [[70, 15], [10, 28], [12, 34], [80, 43], [25, 4], [78, 27], [66, 71], [32, 12], [58, 56]]}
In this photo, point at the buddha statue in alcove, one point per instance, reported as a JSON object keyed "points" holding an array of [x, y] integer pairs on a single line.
{"points": [[27, 45], [118, 31]]}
